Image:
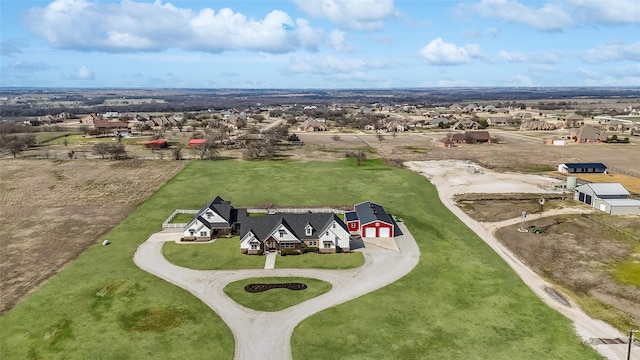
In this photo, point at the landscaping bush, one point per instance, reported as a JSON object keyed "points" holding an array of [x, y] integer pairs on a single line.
{"points": [[338, 250], [289, 252], [260, 252], [244, 251], [310, 249]]}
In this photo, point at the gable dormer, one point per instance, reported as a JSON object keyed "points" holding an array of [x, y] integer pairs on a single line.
{"points": [[308, 230]]}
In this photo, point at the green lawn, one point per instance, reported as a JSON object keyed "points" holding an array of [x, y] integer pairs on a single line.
{"points": [[275, 299], [222, 254], [461, 301], [320, 261], [182, 218], [628, 271]]}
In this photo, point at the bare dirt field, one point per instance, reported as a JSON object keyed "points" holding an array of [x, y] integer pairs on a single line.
{"points": [[52, 211], [579, 255], [515, 151]]}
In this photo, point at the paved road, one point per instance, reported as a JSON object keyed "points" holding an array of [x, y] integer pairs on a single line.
{"points": [[586, 327], [382, 267]]}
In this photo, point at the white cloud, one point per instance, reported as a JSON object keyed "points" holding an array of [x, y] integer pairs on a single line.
{"points": [[360, 14], [606, 12], [439, 52], [513, 56], [549, 17], [331, 65], [26, 67], [336, 40], [82, 73], [558, 15], [141, 26], [613, 52]]}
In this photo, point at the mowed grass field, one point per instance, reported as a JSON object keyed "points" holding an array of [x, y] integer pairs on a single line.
{"points": [[461, 301]]}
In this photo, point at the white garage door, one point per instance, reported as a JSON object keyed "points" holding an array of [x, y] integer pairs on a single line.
{"points": [[370, 232], [385, 232]]}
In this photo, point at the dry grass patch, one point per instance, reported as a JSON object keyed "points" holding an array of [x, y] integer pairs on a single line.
{"points": [[582, 256], [54, 210], [499, 207]]}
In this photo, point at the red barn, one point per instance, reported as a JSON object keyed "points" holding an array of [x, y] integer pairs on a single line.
{"points": [[370, 220]]}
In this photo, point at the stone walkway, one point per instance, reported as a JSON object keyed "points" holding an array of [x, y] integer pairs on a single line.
{"points": [[270, 262]]}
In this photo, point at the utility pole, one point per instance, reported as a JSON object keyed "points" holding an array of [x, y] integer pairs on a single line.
{"points": [[630, 343]]}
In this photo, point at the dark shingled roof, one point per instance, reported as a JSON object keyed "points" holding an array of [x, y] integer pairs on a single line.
{"points": [[350, 216], [368, 212], [262, 226]]}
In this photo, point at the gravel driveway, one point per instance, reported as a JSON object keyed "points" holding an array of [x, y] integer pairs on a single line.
{"points": [[381, 267], [451, 177]]}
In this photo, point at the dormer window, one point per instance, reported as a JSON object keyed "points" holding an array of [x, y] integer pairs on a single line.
{"points": [[208, 216], [281, 233], [308, 230]]}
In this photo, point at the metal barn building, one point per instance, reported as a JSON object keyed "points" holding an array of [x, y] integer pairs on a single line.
{"points": [[611, 198], [571, 168]]}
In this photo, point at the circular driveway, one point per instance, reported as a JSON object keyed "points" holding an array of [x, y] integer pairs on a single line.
{"points": [[381, 267]]}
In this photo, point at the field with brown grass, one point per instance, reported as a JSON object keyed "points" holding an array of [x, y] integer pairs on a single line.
{"points": [[629, 182], [584, 258], [52, 211]]}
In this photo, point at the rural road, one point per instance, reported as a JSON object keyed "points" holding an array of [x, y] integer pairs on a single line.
{"points": [[381, 267], [450, 178]]}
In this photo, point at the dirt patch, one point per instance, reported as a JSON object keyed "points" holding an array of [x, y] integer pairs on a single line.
{"points": [[499, 207], [629, 182], [52, 211], [579, 254], [256, 288]]}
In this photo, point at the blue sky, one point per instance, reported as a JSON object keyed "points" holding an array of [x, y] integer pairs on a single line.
{"points": [[319, 43]]}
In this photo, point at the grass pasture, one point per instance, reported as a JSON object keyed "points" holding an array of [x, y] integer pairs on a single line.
{"points": [[320, 261], [222, 254], [461, 301], [275, 299]]}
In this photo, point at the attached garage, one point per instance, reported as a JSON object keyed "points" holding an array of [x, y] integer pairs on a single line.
{"points": [[385, 232], [370, 231]]}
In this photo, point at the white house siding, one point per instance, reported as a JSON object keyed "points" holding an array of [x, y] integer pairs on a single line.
{"points": [[245, 243], [330, 233], [287, 236], [212, 217], [199, 230]]}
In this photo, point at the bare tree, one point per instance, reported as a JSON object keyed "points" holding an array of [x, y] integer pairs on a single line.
{"points": [[16, 146], [380, 136], [177, 152], [101, 149]]}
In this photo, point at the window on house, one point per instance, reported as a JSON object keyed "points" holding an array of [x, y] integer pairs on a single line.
{"points": [[192, 232], [203, 233], [281, 232], [327, 244], [309, 230], [327, 233], [208, 216], [334, 225], [313, 243]]}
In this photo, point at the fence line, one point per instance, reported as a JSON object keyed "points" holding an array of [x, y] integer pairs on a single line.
{"points": [[167, 223], [620, 230], [623, 172]]}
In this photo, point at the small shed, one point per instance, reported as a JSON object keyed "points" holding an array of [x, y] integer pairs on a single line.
{"points": [[620, 206], [571, 168]]}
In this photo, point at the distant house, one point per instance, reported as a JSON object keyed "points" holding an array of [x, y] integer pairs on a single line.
{"points": [[446, 142], [611, 198], [370, 220], [111, 127], [312, 125], [571, 168], [556, 141], [471, 137], [589, 134], [395, 126], [498, 120]]}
